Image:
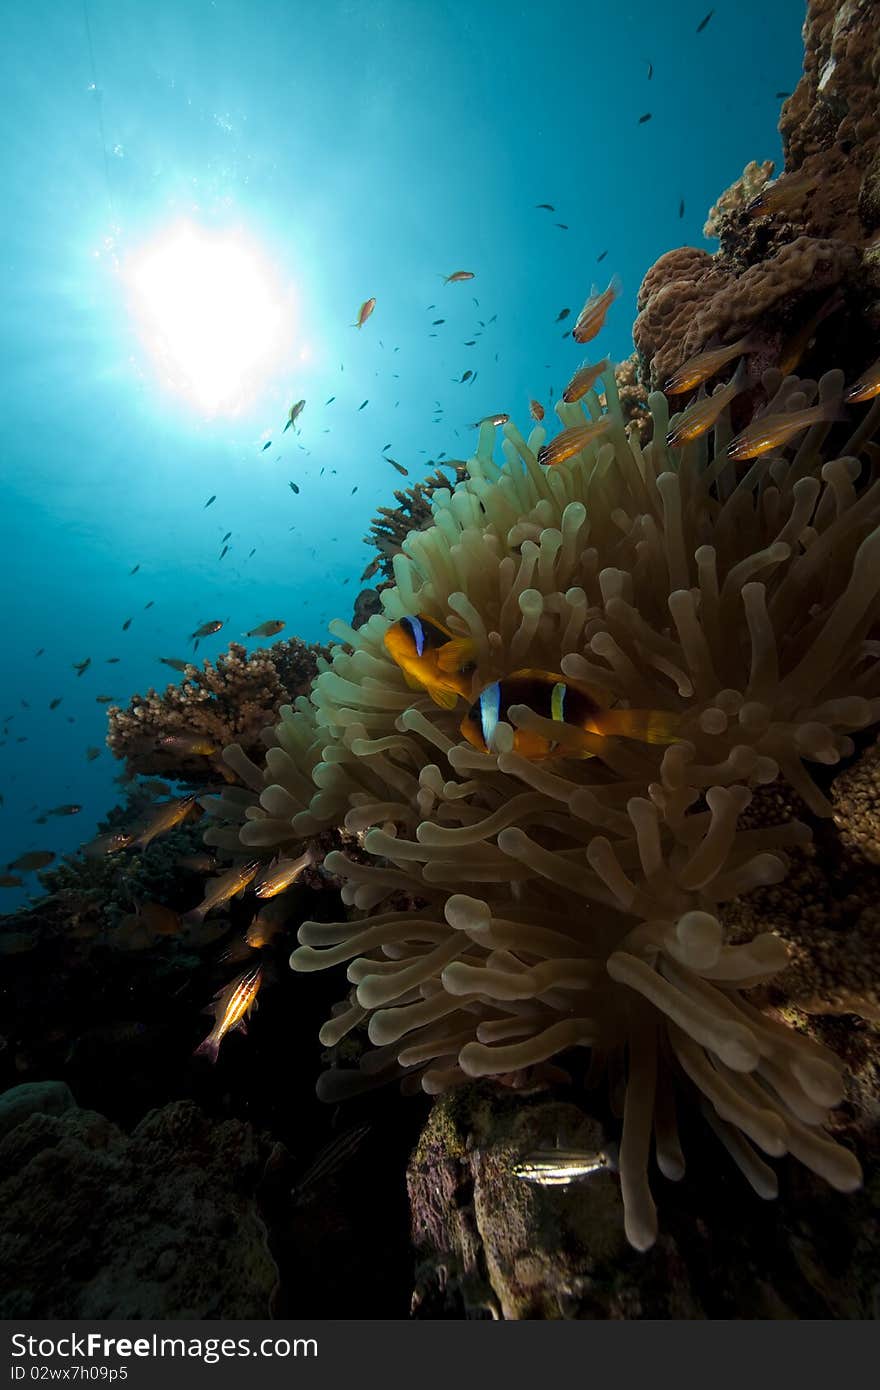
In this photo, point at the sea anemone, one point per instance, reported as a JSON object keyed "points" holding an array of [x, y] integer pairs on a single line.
{"points": [[506, 909]]}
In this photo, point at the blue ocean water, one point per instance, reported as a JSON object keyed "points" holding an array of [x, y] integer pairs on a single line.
{"points": [[311, 154]]}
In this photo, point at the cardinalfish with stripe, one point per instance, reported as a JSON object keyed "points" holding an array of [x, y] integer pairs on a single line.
{"points": [[222, 889], [699, 417], [696, 370], [432, 658], [591, 318], [867, 386], [230, 1009], [584, 379], [165, 817], [774, 431], [564, 701], [280, 875], [572, 441], [784, 194]]}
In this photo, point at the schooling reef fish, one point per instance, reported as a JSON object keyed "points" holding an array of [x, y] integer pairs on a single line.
{"points": [[867, 386], [591, 318], [165, 817], [701, 416], [278, 876], [230, 1010], [222, 889], [566, 702], [293, 415], [206, 629], [431, 658], [773, 431], [583, 379], [705, 365], [456, 276], [364, 312], [571, 441], [34, 859], [267, 629]]}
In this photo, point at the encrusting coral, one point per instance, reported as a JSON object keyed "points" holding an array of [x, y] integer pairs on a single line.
{"points": [[510, 909]]}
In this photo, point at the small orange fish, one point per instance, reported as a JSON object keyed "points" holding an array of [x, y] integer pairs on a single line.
{"points": [[701, 416], [431, 658], [364, 312], [773, 431], [571, 441], [536, 410], [591, 318], [231, 1008], [706, 364], [567, 702], [782, 195], [456, 276], [583, 379], [867, 386]]}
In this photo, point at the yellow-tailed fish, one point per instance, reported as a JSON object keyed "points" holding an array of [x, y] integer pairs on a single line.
{"points": [[583, 379], [555, 697], [231, 1007], [279, 876], [431, 658], [696, 370], [164, 817], [269, 629], [591, 318], [570, 442], [774, 431], [699, 417], [867, 386], [223, 888]]}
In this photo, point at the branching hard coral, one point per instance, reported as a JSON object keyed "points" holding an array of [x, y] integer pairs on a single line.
{"points": [[389, 528], [232, 699], [578, 902]]}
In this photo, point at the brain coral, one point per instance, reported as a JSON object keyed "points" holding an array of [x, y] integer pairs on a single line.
{"points": [[506, 909]]}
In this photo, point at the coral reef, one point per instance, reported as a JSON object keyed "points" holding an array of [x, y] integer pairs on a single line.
{"points": [[491, 1245], [784, 246], [392, 525], [742, 602], [162, 1224], [229, 700]]}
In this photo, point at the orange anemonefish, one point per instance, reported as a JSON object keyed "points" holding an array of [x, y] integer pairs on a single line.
{"points": [[553, 696], [432, 658]]}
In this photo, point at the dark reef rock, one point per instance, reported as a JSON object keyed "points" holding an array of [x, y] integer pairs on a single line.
{"points": [[163, 1223]]}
